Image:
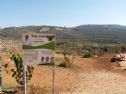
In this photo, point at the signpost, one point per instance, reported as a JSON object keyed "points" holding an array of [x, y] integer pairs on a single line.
{"points": [[24, 80], [38, 49], [53, 79]]}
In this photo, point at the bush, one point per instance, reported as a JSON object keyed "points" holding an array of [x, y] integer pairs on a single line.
{"points": [[66, 61], [87, 55], [115, 59], [62, 64], [68, 53]]}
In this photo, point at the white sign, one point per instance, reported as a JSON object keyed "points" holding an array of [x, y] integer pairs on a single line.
{"points": [[38, 48]]}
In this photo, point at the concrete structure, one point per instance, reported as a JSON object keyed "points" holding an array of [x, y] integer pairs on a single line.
{"points": [[7, 43]]}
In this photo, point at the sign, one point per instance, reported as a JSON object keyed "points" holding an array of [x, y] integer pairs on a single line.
{"points": [[38, 48]]}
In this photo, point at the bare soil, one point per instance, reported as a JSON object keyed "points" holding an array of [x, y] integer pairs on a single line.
{"points": [[86, 76]]}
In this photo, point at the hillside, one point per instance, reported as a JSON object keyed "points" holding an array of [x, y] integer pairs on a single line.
{"points": [[101, 33], [98, 33]]}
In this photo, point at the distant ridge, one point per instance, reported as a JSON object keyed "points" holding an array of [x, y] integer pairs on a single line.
{"points": [[105, 33]]}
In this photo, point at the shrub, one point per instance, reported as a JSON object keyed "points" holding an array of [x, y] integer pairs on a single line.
{"points": [[87, 55], [17, 71]]}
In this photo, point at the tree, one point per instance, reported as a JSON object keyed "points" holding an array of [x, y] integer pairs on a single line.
{"points": [[123, 49], [69, 51], [17, 71]]}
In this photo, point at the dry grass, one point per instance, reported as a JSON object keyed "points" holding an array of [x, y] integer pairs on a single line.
{"points": [[36, 90]]}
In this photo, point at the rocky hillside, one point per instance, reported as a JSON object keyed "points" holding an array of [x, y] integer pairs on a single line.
{"points": [[98, 33]]}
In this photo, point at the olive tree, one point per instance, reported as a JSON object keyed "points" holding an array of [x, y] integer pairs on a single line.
{"points": [[69, 51]]}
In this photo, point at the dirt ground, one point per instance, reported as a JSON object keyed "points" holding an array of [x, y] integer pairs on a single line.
{"points": [[100, 77], [86, 76]]}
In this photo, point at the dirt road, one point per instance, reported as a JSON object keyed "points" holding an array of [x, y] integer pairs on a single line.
{"points": [[103, 82], [100, 78]]}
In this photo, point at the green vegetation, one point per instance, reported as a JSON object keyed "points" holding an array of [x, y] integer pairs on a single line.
{"points": [[108, 34], [95, 37], [50, 46], [17, 71], [88, 55], [68, 50]]}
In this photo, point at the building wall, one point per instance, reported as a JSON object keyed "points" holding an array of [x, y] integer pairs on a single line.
{"points": [[10, 43]]}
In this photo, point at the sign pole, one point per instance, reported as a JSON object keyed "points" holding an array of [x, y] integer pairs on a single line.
{"points": [[53, 82], [24, 79]]}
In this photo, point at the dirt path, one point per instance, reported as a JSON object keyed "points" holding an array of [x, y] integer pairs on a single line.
{"points": [[98, 77], [103, 82]]}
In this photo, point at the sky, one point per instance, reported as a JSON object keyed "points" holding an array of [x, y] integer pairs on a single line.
{"points": [[67, 13]]}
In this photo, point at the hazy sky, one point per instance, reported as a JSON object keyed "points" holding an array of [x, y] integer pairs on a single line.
{"points": [[62, 12]]}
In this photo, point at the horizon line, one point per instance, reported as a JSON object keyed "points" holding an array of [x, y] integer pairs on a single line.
{"points": [[2, 27]]}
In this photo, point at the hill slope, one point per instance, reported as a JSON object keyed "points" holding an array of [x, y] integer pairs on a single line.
{"points": [[99, 33]]}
